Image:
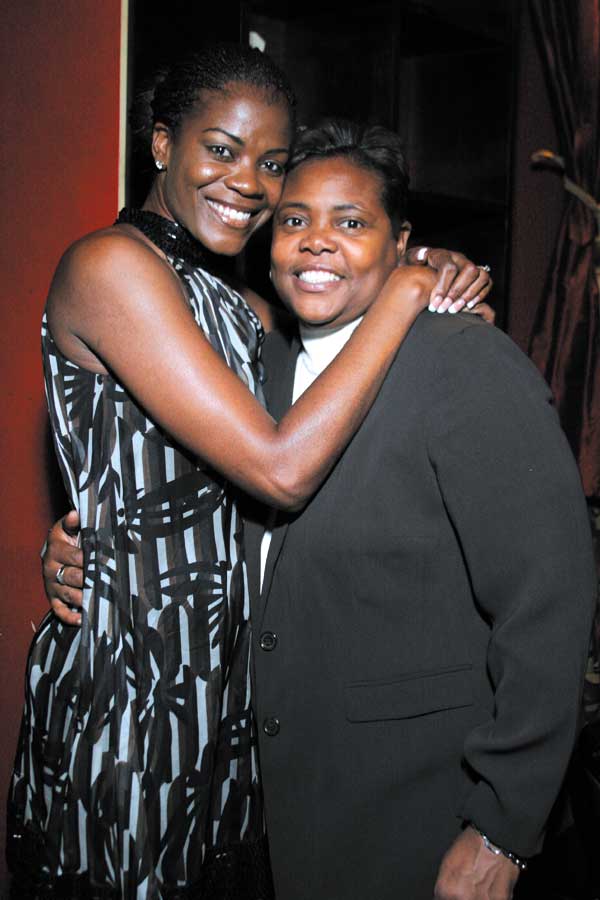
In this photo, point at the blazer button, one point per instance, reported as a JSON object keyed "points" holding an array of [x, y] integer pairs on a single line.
{"points": [[271, 726], [268, 640]]}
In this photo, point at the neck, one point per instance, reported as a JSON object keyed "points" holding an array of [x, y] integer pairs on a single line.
{"points": [[322, 344], [155, 200], [310, 332], [222, 266]]}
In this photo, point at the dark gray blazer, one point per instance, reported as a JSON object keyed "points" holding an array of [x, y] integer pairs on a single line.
{"points": [[420, 640]]}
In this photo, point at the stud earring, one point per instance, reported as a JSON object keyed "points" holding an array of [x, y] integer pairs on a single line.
{"points": [[159, 165]]}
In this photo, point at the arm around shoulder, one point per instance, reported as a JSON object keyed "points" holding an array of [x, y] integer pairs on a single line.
{"points": [[115, 299]]}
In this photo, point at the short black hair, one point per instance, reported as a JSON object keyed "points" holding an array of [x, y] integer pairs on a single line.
{"points": [[175, 89], [371, 147]]}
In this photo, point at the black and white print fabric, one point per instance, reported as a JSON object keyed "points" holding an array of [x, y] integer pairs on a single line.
{"points": [[136, 771]]}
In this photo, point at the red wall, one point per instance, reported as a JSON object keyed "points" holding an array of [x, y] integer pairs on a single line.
{"points": [[58, 180]]}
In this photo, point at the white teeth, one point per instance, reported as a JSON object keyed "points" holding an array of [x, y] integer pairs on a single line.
{"points": [[228, 214], [317, 276]]}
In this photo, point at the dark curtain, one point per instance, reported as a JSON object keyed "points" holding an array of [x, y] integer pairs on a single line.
{"points": [[565, 343]]}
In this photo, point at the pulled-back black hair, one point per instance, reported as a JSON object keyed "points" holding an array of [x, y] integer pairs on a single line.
{"points": [[175, 89], [371, 147]]}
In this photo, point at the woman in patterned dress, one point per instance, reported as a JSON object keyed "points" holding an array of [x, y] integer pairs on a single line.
{"points": [[136, 772]]}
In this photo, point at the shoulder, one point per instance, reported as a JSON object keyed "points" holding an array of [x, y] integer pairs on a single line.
{"points": [[457, 343], [104, 253], [103, 283], [106, 263], [434, 329], [454, 366]]}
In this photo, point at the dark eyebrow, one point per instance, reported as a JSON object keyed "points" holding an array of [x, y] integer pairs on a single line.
{"points": [[343, 206], [294, 204], [340, 207], [237, 140], [233, 137]]}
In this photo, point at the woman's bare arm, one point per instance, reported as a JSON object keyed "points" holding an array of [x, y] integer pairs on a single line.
{"points": [[117, 301]]}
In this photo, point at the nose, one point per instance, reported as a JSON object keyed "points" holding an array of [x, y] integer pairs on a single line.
{"points": [[318, 239], [245, 180]]}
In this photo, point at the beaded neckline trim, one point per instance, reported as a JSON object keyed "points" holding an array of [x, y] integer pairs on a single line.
{"points": [[172, 238]]}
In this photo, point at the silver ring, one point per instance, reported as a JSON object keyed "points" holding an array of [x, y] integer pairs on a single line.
{"points": [[484, 268], [60, 575]]}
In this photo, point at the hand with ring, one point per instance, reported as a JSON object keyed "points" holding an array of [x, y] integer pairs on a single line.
{"points": [[62, 569], [461, 285]]}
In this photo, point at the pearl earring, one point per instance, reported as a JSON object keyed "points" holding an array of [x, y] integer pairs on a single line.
{"points": [[159, 165]]}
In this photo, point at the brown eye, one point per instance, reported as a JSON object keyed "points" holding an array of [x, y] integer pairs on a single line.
{"points": [[273, 167], [293, 222], [220, 151]]}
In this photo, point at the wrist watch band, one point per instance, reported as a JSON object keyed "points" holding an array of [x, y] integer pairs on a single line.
{"points": [[499, 851]]}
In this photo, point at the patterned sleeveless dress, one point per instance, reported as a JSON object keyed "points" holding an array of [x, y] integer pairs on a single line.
{"points": [[136, 773]]}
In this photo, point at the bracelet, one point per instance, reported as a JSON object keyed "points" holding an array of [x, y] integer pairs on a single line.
{"points": [[422, 253], [499, 851]]}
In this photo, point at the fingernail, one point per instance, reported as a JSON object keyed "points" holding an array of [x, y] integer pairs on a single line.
{"points": [[447, 302], [455, 307], [472, 302], [435, 302]]}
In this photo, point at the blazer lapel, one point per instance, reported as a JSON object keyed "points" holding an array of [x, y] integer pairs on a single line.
{"points": [[279, 356]]}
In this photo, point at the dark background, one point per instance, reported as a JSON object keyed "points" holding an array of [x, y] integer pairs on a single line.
{"points": [[440, 73], [60, 178]]}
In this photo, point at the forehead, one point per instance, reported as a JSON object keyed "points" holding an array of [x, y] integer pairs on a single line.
{"points": [[334, 181], [243, 110]]}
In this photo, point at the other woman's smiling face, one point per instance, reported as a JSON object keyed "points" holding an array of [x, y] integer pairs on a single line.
{"points": [[224, 166], [333, 246]]}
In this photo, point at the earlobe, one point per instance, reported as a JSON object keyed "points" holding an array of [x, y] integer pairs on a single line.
{"points": [[403, 237], [161, 145]]}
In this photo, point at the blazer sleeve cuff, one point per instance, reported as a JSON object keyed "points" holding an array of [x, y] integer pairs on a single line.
{"points": [[520, 833]]}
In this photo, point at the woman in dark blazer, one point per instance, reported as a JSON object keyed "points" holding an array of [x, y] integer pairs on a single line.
{"points": [[422, 628]]}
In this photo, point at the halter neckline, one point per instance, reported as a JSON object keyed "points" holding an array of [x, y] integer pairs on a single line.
{"points": [[171, 237]]}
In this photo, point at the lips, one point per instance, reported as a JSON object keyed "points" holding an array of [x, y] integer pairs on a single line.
{"points": [[316, 279], [318, 276], [229, 215]]}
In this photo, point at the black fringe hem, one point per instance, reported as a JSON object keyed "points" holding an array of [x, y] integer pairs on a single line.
{"points": [[237, 872]]}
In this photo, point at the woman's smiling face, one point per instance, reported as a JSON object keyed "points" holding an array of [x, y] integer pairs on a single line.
{"points": [[224, 166], [333, 245]]}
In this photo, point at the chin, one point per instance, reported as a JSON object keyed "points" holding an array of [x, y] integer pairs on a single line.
{"points": [[316, 321], [218, 241], [226, 245], [309, 313]]}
